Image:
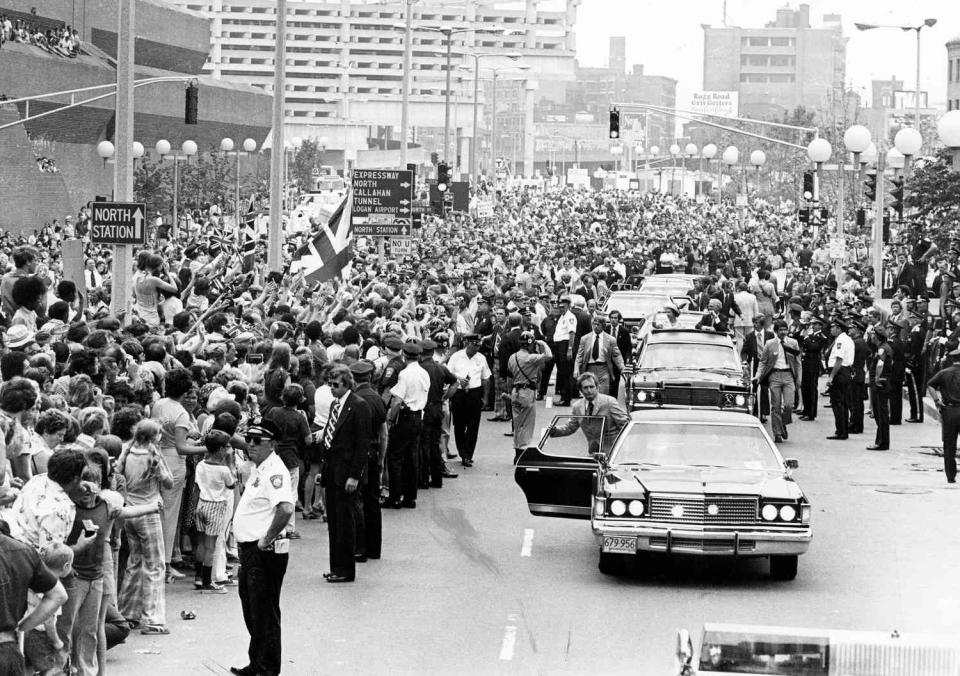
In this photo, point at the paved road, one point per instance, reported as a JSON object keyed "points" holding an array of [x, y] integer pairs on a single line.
{"points": [[470, 583]]}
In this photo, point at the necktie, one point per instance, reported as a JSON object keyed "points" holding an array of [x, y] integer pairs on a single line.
{"points": [[331, 423], [595, 353], [590, 408]]}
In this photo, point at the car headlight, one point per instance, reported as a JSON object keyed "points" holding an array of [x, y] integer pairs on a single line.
{"points": [[740, 400], [769, 512], [618, 507], [635, 507], [788, 513], [642, 395]]}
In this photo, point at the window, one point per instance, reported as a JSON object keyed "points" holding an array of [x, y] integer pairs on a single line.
{"points": [[950, 70], [781, 42]]}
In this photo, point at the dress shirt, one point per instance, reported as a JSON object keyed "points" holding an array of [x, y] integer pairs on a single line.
{"points": [[474, 369], [267, 486], [566, 325], [413, 386], [781, 362], [843, 349]]}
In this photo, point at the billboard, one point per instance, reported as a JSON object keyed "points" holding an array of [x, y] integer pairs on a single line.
{"points": [[725, 104]]}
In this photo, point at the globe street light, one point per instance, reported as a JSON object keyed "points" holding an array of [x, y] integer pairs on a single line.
{"points": [[708, 152], [895, 159], [227, 147], [758, 158], [869, 156], [948, 129], [105, 150], [187, 148], [729, 157]]}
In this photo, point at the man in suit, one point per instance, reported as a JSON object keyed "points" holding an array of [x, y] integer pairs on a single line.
{"points": [[714, 318], [906, 275], [368, 517], [858, 382], [598, 354], [345, 441], [509, 344], [780, 366], [812, 341], [584, 326], [621, 335], [750, 353], [594, 404]]}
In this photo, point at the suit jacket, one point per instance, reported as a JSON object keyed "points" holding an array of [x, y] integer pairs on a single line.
{"points": [[907, 276], [347, 455], [771, 350], [751, 348], [615, 418], [607, 343], [584, 326], [624, 344], [509, 343]]}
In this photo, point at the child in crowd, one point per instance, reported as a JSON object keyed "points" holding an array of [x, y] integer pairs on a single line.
{"points": [[42, 647], [215, 478]]}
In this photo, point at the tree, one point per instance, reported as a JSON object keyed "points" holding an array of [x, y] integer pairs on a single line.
{"points": [[934, 191], [304, 162]]}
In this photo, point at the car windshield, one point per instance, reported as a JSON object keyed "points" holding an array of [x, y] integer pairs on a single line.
{"points": [[689, 356], [636, 306], [668, 286], [697, 445]]}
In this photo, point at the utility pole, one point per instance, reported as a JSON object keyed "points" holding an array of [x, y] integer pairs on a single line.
{"points": [[405, 104], [278, 152], [120, 289], [879, 213]]}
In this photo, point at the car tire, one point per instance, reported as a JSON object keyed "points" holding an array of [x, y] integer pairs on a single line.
{"points": [[612, 564], [783, 567]]}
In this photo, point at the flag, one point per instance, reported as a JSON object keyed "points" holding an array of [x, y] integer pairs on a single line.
{"points": [[330, 250], [248, 232]]}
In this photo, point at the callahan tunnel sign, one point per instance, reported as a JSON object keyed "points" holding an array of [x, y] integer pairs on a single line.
{"points": [[118, 223]]}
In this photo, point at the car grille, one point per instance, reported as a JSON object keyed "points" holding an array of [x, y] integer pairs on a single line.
{"points": [[700, 545], [689, 396], [731, 510]]}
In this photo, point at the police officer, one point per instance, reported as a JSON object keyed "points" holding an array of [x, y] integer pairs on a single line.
{"points": [[858, 382], [472, 374], [839, 363], [881, 371], [262, 515], [369, 519], [443, 384], [812, 342], [525, 366], [405, 416], [393, 347], [916, 368], [944, 388]]}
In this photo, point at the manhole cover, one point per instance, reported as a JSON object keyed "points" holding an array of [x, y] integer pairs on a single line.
{"points": [[904, 490]]}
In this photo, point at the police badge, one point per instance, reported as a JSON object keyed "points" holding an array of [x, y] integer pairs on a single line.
{"points": [[276, 480]]}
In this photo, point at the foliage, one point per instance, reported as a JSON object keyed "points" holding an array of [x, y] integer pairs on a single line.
{"points": [[934, 192], [307, 158]]}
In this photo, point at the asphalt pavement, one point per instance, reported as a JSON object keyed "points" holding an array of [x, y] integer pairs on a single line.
{"points": [[471, 583]]}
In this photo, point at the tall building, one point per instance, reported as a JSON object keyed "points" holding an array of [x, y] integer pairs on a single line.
{"points": [[344, 63], [953, 74], [774, 69], [618, 54]]}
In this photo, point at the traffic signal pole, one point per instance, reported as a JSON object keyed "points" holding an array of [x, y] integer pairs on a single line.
{"points": [[878, 229]]}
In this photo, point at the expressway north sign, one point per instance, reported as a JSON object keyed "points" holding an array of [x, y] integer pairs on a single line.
{"points": [[118, 223], [382, 203]]}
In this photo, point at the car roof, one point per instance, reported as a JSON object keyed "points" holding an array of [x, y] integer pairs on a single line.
{"points": [[698, 415], [688, 335]]}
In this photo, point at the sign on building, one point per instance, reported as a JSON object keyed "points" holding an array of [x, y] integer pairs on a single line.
{"points": [[725, 104], [382, 202], [578, 177], [118, 223]]}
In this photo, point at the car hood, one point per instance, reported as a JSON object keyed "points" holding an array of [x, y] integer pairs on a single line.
{"points": [[701, 480], [689, 377]]}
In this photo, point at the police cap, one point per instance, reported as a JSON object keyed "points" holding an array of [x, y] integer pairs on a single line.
{"points": [[412, 349], [428, 345], [264, 430], [361, 368], [393, 343]]}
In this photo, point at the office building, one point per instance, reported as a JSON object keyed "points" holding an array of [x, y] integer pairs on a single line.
{"points": [[777, 67], [953, 74]]}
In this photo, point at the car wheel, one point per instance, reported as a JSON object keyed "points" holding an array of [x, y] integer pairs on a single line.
{"points": [[612, 564], [783, 567]]}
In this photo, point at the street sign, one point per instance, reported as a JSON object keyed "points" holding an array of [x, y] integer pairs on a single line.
{"points": [[484, 208], [118, 223], [403, 246], [382, 202]]}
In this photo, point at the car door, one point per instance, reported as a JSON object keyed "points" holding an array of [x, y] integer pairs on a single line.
{"points": [[559, 476]]}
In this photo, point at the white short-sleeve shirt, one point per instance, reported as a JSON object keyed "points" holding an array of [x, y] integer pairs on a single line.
{"points": [[267, 486]]}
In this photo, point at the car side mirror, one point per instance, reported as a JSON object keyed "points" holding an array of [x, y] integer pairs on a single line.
{"points": [[600, 457], [791, 463]]}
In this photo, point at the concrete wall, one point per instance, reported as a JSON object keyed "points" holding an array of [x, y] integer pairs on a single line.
{"points": [[953, 85]]}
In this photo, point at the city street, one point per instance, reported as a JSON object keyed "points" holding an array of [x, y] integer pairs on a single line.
{"points": [[470, 583]]}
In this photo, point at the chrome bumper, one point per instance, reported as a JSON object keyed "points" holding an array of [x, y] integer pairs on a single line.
{"points": [[685, 539]]}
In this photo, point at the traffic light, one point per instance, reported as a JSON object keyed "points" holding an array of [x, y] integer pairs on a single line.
{"points": [[870, 186], [614, 123], [861, 217], [886, 228], [808, 185], [803, 215], [191, 103], [897, 193], [443, 176], [824, 215]]}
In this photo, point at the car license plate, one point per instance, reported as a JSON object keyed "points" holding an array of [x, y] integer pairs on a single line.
{"points": [[619, 545]]}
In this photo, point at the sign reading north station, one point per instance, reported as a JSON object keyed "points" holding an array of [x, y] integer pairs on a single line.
{"points": [[382, 202], [118, 223]]}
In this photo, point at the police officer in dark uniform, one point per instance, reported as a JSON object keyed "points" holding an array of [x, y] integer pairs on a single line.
{"points": [[916, 369], [812, 342], [944, 388], [391, 372], [858, 382], [548, 328], [899, 374], [369, 521], [443, 384], [881, 370]]}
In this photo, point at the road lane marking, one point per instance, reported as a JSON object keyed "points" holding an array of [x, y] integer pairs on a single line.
{"points": [[527, 542], [509, 639]]}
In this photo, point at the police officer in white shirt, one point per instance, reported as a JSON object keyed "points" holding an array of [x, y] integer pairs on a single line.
{"points": [[405, 417], [839, 379], [563, 338], [262, 515], [472, 372]]}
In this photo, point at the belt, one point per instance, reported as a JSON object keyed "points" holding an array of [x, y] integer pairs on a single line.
{"points": [[780, 370], [597, 363], [524, 386], [410, 411]]}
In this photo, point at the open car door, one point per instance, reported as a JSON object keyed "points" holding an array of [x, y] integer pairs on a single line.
{"points": [[558, 477]]}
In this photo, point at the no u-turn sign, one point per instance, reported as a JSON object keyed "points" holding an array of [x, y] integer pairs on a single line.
{"points": [[118, 223]]}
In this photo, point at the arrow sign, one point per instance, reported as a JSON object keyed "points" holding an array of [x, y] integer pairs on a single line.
{"points": [[405, 184], [118, 223], [380, 197]]}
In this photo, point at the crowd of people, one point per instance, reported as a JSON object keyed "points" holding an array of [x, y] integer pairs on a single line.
{"points": [[131, 441], [61, 40]]}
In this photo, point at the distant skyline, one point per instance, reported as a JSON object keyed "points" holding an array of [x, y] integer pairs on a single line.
{"points": [[667, 37]]}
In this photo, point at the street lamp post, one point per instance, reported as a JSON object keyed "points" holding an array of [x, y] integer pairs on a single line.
{"points": [[690, 150], [654, 151], [928, 23], [757, 158], [708, 152], [474, 158], [187, 149], [819, 151], [674, 152], [730, 157], [226, 145]]}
